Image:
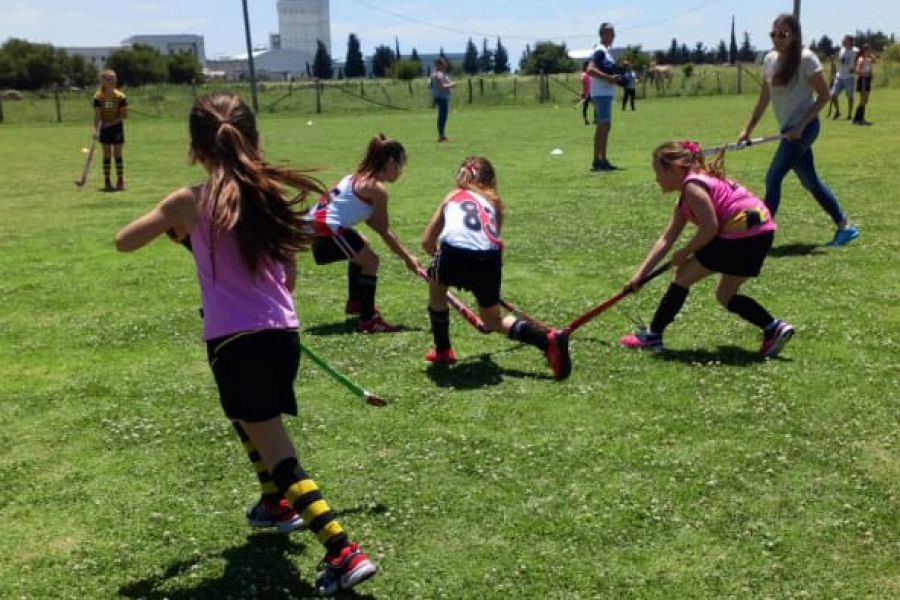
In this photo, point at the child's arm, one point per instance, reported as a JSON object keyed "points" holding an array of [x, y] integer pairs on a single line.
{"points": [[433, 230], [379, 221], [659, 250], [701, 206], [178, 212]]}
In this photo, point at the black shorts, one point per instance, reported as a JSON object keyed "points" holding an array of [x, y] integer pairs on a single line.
{"points": [[343, 245], [479, 271], [114, 134], [864, 84], [255, 372], [742, 257]]}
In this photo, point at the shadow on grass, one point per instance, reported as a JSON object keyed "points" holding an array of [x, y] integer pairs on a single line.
{"points": [[475, 372], [795, 250], [259, 568], [734, 356], [346, 327]]}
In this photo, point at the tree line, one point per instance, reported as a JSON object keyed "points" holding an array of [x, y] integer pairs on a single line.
{"points": [[28, 66]]}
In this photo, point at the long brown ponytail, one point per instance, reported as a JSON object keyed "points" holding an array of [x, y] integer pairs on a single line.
{"points": [[245, 194], [476, 173]]}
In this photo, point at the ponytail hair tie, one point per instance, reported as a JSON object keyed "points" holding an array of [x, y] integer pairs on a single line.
{"points": [[691, 146]]}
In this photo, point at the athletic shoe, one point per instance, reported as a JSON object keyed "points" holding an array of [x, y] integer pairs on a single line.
{"points": [[343, 571], [557, 353], [120, 184], [281, 515], [844, 236], [605, 165], [775, 338], [376, 325], [447, 357], [642, 340], [837, 115], [108, 186]]}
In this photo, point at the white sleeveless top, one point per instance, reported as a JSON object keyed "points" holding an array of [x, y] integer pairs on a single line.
{"points": [[470, 222], [340, 208]]}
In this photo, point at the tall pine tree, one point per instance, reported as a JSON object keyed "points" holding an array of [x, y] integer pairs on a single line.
{"points": [[322, 68], [501, 59], [732, 49], [470, 60], [355, 66]]}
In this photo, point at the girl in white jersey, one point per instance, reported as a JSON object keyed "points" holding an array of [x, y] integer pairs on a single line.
{"points": [[463, 236], [361, 196], [863, 83]]}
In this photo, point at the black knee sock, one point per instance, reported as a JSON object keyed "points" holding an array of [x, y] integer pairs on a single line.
{"points": [[107, 164], [440, 328], [858, 116], [671, 303], [367, 284], [303, 494], [269, 489], [354, 271], [523, 331], [120, 167], [750, 310]]}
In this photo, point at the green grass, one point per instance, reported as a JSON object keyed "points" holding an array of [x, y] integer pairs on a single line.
{"points": [[699, 473]]}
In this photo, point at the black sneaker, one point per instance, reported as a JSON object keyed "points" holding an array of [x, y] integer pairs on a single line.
{"points": [[605, 165]]}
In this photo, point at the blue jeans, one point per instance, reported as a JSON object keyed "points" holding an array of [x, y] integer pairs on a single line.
{"points": [[443, 108], [798, 155]]}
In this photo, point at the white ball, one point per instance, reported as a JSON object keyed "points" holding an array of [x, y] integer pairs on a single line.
{"points": [[556, 152], [309, 122]]}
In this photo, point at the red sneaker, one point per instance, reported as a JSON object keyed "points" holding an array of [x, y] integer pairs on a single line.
{"points": [[280, 515], [343, 571], [376, 325], [120, 184], [558, 354], [441, 356]]}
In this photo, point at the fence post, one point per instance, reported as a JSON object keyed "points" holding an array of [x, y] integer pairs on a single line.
{"points": [[470, 90], [740, 88], [362, 90], [515, 89], [58, 107], [481, 85], [1, 108], [409, 85], [318, 96]]}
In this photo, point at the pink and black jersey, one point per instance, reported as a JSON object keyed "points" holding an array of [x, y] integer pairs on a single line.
{"points": [[340, 208], [739, 213], [470, 222]]}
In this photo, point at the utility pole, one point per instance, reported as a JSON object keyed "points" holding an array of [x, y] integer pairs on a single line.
{"points": [[797, 9], [250, 59]]}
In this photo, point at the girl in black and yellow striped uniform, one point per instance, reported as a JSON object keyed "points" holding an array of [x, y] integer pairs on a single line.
{"points": [[110, 110]]}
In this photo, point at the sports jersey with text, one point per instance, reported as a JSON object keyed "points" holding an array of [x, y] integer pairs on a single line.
{"points": [[110, 105], [470, 222], [340, 208]]}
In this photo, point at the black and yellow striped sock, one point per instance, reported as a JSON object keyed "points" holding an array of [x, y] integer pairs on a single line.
{"points": [[303, 494], [266, 484], [107, 163], [120, 167]]}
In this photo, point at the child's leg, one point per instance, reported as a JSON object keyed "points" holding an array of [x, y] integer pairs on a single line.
{"points": [[672, 301], [107, 164], [277, 452], [439, 315], [367, 280], [120, 165], [353, 294], [743, 306], [267, 486]]}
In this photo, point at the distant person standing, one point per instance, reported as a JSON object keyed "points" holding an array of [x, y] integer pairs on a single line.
{"points": [[863, 83], [793, 81], [629, 88], [603, 89], [440, 88], [846, 76], [110, 110]]}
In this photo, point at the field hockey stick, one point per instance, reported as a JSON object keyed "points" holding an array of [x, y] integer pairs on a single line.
{"points": [[369, 397], [466, 312], [521, 313], [615, 299], [90, 155], [740, 145]]}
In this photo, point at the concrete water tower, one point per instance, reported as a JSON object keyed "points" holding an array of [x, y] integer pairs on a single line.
{"points": [[302, 22]]}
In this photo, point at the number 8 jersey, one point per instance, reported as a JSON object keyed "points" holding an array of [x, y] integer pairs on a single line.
{"points": [[470, 222]]}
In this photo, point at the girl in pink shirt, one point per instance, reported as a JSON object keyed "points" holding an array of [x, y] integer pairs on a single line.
{"points": [[734, 233], [585, 91], [244, 232]]}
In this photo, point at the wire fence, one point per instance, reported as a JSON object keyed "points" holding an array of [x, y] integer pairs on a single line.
{"points": [[366, 95]]}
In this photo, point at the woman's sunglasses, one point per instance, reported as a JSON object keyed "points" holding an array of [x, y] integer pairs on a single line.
{"points": [[779, 35]]}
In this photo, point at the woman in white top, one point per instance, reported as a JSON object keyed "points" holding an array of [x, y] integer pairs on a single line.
{"points": [[863, 83], [793, 81]]}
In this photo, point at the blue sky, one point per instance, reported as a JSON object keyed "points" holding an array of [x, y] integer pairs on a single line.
{"points": [[428, 25]]}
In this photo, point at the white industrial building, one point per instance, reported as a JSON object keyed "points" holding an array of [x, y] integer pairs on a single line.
{"points": [[165, 44]]}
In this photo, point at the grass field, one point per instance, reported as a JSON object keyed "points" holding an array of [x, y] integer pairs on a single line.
{"points": [[701, 472]]}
